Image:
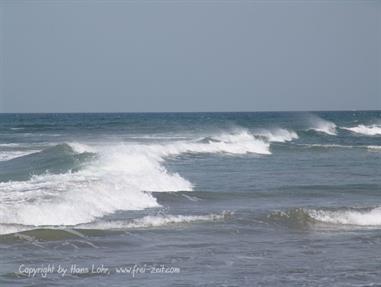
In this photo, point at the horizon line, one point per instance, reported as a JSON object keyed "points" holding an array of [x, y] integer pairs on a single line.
{"points": [[199, 112]]}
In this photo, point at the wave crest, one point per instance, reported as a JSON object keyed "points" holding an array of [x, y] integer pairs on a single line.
{"points": [[322, 126], [236, 142], [348, 217], [370, 130], [120, 177], [303, 217], [278, 135], [156, 221]]}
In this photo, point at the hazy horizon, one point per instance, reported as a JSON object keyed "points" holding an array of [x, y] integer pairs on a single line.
{"points": [[198, 112], [189, 56]]}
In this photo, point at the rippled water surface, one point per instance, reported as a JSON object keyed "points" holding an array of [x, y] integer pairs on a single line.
{"points": [[195, 199]]}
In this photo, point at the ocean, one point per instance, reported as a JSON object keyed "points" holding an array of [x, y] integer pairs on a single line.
{"points": [[191, 199]]}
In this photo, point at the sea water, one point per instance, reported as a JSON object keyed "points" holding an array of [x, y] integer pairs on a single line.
{"points": [[191, 199]]}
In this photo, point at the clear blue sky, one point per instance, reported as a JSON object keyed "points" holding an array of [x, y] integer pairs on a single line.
{"points": [[153, 56]]}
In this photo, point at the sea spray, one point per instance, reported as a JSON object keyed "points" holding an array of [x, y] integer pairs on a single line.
{"points": [[321, 125], [367, 130], [120, 177]]}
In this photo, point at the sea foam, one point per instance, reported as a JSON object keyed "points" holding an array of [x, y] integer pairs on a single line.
{"points": [[348, 217], [321, 125], [369, 130], [7, 155], [121, 177], [278, 135], [155, 221]]}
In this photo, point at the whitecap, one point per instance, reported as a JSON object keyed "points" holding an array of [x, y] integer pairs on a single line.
{"points": [[370, 130]]}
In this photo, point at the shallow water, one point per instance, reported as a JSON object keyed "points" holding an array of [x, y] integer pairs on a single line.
{"points": [[198, 199]]}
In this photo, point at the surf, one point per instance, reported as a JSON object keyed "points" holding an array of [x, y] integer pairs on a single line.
{"points": [[321, 125], [367, 130], [92, 181], [277, 135], [307, 217]]}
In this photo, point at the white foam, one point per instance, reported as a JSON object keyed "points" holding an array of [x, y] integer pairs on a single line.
{"points": [[374, 147], [16, 129], [9, 145], [370, 130], [348, 217], [120, 178], [369, 147], [327, 146], [114, 182], [322, 126], [278, 135], [81, 148], [7, 155], [155, 221], [237, 142], [8, 228], [144, 222]]}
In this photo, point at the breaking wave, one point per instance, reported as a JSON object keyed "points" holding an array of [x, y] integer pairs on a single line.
{"points": [[349, 217], [344, 216], [370, 130], [374, 147], [118, 177], [55, 159], [278, 135], [155, 221], [326, 146], [8, 155], [322, 126], [237, 142]]}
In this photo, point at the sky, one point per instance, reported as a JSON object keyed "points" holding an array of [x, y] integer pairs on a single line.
{"points": [[189, 56]]}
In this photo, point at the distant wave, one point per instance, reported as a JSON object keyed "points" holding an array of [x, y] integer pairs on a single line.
{"points": [[322, 126], [155, 221], [278, 135], [8, 155], [374, 147], [327, 146], [261, 137], [370, 130], [348, 217], [149, 221], [8, 151], [9, 145], [236, 142], [303, 217], [16, 129], [120, 177]]}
